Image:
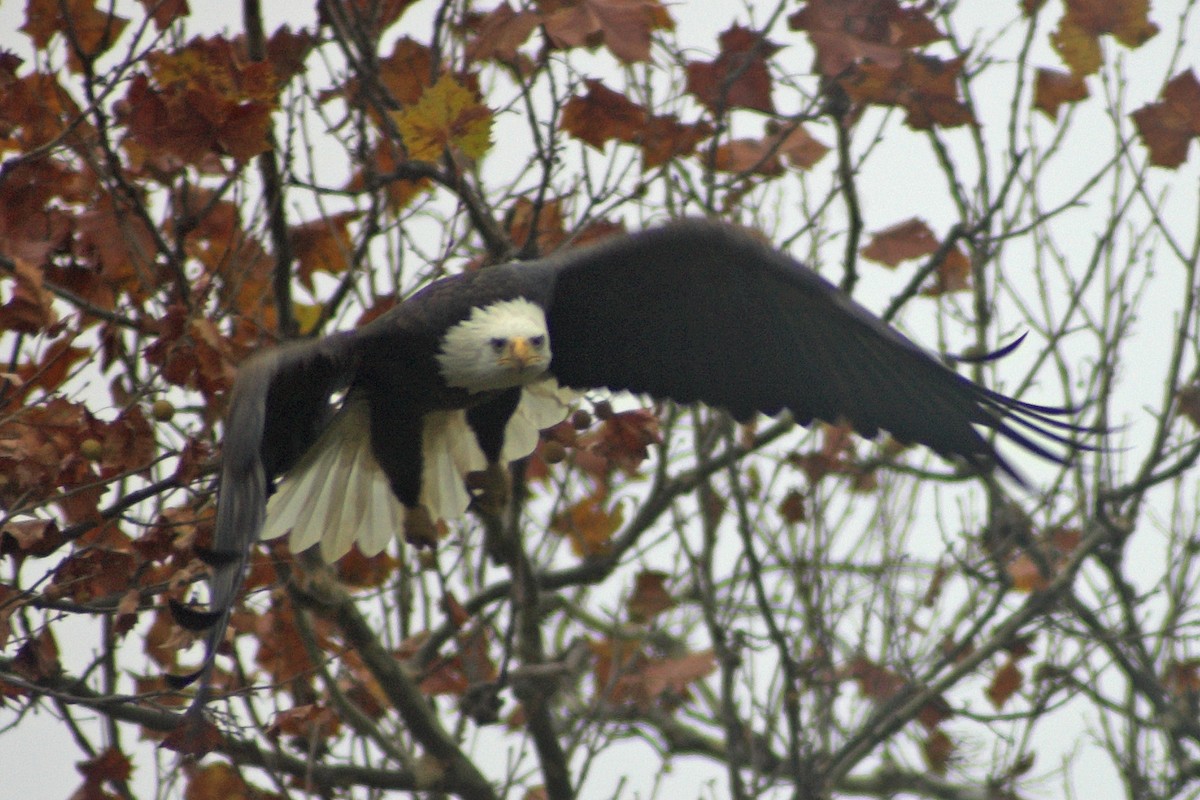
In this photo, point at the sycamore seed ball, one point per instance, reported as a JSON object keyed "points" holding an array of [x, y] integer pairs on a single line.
{"points": [[91, 449], [162, 410]]}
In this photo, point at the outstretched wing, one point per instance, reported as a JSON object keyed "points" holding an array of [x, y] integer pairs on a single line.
{"points": [[701, 311], [280, 404]]}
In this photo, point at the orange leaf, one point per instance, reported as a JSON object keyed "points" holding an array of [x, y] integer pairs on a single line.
{"points": [[754, 156], [796, 145], [953, 274], [323, 245], [361, 571], [1054, 87], [589, 526], [603, 115], [164, 12], [549, 220], [216, 781], [405, 72], [902, 241]]}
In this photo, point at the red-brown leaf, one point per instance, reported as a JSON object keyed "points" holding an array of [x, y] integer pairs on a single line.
{"points": [[1054, 87], [602, 115], [1168, 126], [650, 596], [902, 241], [738, 77], [1005, 683]]}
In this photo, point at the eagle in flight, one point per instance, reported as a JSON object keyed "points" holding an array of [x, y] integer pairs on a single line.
{"points": [[462, 375]]}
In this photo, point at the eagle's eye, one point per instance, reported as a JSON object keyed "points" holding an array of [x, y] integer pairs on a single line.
{"points": [[537, 341], [498, 344]]}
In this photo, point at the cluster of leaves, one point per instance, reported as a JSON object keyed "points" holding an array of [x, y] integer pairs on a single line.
{"points": [[164, 211]]}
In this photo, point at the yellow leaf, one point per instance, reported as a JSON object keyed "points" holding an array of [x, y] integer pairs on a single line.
{"points": [[306, 316], [447, 116]]}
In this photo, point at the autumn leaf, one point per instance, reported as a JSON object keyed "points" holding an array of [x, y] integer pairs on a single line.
{"points": [[589, 526], [849, 32], [953, 274], [37, 659], [925, 86], [1077, 38], [665, 680], [281, 651], [834, 456], [201, 103], [216, 780], [29, 538], [309, 722], [1026, 573], [1182, 678], [30, 308], [665, 137], [323, 245], [623, 439], [938, 748], [738, 77], [89, 30], [355, 569], [470, 666], [875, 681], [549, 222], [1053, 88], [1005, 683], [650, 596], [792, 508], [1187, 401], [448, 116], [501, 32], [796, 144], [110, 766], [164, 12], [900, 242], [1168, 126], [602, 115], [623, 26], [748, 156], [385, 160]]}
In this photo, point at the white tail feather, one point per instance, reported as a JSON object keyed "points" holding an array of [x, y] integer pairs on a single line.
{"points": [[337, 494]]}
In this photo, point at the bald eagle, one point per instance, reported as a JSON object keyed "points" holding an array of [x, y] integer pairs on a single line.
{"points": [[461, 376]]}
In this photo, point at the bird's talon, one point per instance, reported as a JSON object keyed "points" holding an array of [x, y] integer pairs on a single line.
{"points": [[493, 489], [419, 528]]}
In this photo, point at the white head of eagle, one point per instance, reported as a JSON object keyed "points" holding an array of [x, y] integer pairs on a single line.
{"points": [[500, 346]]}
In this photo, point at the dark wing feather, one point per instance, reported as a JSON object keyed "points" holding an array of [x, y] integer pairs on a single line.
{"points": [[698, 310], [279, 404]]}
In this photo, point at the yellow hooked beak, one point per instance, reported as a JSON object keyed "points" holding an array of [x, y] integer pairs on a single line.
{"points": [[521, 353]]}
